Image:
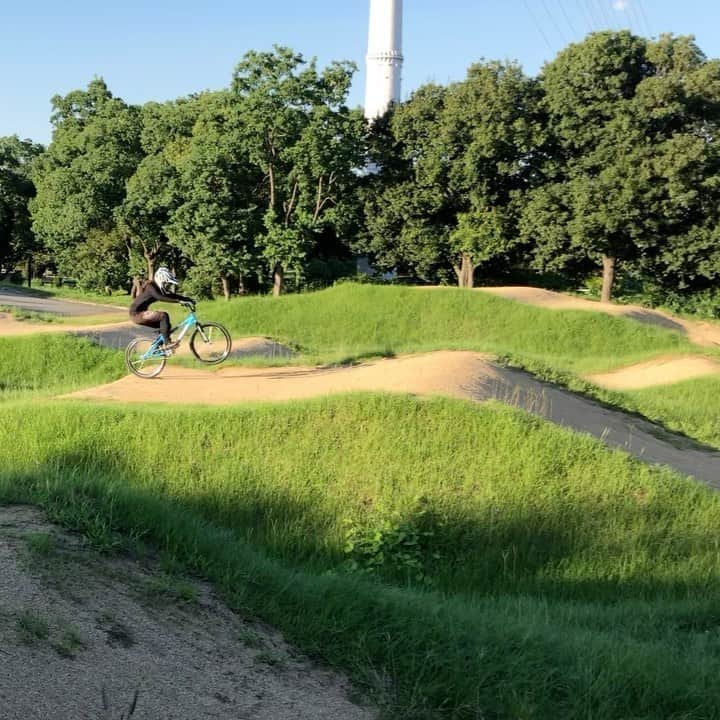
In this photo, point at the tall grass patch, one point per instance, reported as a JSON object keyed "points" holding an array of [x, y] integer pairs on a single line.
{"points": [[354, 321], [490, 497], [54, 363]]}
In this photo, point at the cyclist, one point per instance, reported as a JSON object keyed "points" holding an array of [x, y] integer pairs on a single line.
{"points": [[159, 289]]}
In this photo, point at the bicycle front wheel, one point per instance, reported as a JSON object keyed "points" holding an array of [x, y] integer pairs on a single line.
{"points": [[143, 359], [210, 343]]}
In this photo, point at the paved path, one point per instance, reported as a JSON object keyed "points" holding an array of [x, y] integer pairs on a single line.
{"points": [[20, 298], [615, 428]]}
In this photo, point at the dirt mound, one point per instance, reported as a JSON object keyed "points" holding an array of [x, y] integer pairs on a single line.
{"points": [[458, 374], [660, 371], [76, 625], [699, 332], [447, 373]]}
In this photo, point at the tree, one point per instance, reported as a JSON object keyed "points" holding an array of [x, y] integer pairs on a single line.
{"points": [[152, 192], [468, 152], [632, 175], [409, 215], [81, 177], [16, 190], [215, 224], [682, 103], [305, 141], [489, 134]]}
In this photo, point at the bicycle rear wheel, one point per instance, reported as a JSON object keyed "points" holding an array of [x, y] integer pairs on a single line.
{"points": [[210, 343], [144, 360]]}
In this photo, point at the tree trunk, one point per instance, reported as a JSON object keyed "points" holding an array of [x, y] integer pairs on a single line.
{"points": [[608, 278], [29, 271], [278, 275], [241, 284], [225, 285], [150, 259], [135, 289], [465, 272], [271, 176]]}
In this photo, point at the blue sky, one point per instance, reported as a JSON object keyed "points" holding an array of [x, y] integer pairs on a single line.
{"points": [[149, 50]]}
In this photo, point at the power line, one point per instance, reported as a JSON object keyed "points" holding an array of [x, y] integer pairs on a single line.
{"points": [[539, 27], [584, 10], [567, 19], [591, 12], [554, 22], [635, 18], [644, 17], [604, 14]]}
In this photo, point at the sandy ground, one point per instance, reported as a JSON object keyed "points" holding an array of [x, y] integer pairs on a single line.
{"points": [[115, 624], [699, 332], [118, 335], [454, 373], [439, 373], [193, 661], [659, 371]]}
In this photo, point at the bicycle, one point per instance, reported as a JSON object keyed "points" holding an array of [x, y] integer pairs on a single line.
{"points": [[210, 343]]}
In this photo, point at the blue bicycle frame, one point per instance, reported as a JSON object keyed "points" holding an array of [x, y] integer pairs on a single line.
{"points": [[155, 350]]}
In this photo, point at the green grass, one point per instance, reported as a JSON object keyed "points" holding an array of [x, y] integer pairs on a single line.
{"points": [[358, 321], [689, 407], [32, 627], [460, 561], [44, 364], [31, 315]]}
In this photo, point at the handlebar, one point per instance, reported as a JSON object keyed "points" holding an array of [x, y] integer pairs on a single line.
{"points": [[188, 304]]}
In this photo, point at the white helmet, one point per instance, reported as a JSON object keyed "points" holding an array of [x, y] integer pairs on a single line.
{"points": [[164, 278]]}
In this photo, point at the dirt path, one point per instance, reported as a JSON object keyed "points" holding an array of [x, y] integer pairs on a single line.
{"points": [[659, 371], [458, 374], [441, 373], [10, 327], [706, 334], [73, 623]]}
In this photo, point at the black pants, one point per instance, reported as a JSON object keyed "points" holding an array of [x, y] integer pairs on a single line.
{"points": [[153, 319]]}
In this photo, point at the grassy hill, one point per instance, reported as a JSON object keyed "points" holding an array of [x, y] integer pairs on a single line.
{"points": [[356, 321], [457, 560]]}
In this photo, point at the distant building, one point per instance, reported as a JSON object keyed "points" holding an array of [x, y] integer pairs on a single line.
{"points": [[384, 57]]}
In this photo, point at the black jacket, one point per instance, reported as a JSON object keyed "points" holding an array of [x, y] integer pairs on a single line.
{"points": [[151, 293]]}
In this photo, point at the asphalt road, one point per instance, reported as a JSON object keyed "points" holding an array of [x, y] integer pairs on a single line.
{"points": [[20, 298], [617, 429]]}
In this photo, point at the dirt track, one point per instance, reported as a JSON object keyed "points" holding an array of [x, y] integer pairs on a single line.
{"points": [[30, 301], [458, 374], [659, 371]]}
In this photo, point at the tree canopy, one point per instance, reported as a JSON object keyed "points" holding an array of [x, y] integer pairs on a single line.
{"points": [[607, 159]]}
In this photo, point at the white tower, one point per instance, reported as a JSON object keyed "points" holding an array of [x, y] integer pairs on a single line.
{"points": [[384, 58]]}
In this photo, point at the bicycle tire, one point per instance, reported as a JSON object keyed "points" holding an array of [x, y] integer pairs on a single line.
{"points": [[206, 336], [138, 365]]}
